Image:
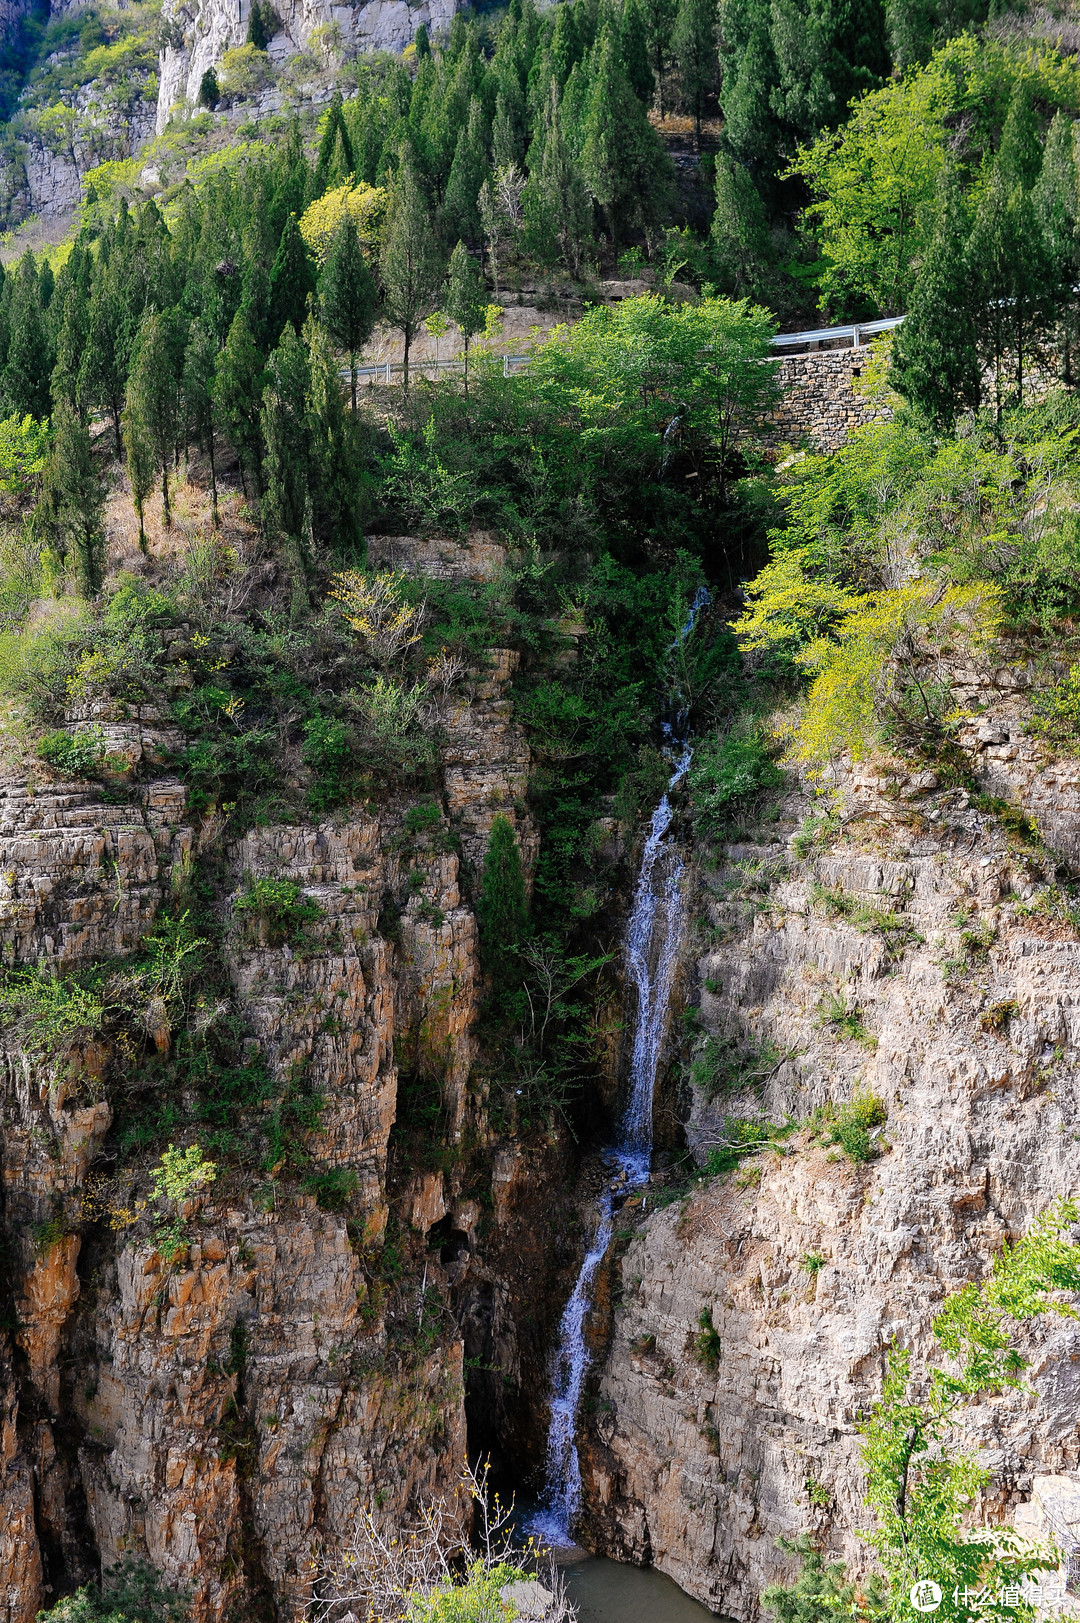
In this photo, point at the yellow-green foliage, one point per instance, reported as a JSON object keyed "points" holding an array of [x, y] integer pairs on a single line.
{"points": [[365, 205], [861, 670], [244, 70]]}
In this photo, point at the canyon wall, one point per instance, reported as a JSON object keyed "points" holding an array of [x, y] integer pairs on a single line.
{"points": [[916, 950], [224, 1411]]}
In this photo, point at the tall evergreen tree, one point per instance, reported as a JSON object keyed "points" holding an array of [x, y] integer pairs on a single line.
{"points": [[26, 375], [935, 359], [292, 279], [72, 504], [200, 360], [742, 248], [565, 43], [622, 162], [333, 478], [72, 307], [349, 298], [634, 50], [238, 386], [467, 176], [336, 161], [556, 201], [693, 45], [658, 17], [410, 263], [466, 299], [1057, 210], [103, 369], [1011, 264], [286, 435], [502, 909], [152, 397]]}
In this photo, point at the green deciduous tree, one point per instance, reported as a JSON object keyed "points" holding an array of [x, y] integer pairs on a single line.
{"points": [[410, 264], [920, 1486]]}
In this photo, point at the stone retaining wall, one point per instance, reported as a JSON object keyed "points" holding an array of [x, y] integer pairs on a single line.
{"points": [[819, 404]]}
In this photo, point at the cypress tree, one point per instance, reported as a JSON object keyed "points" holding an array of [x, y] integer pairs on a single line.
{"points": [[237, 391], [26, 375], [935, 361], [467, 176], [739, 235], [410, 264], [565, 44], [556, 202], [1057, 207], [103, 369], [72, 504], [333, 478], [502, 911], [634, 49], [466, 299], [658, 17], [693, 45], [336, 160], [621, 160], [200, 359], [1011, 276], [349, 299], [506, 144], [152, 398], [291, 281], [74, 318], [286, 435]]}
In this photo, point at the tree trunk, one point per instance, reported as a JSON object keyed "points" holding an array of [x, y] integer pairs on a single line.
{"points": [[213, 479], [166, 511]]}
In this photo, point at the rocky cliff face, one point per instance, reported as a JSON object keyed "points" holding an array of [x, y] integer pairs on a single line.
{"points": [[201, 31], [917, 951], [225, 1410]]}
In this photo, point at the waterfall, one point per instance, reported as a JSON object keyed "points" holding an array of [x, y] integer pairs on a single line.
{"points": [[652, 942]]}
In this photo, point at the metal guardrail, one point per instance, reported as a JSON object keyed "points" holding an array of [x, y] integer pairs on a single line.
{"points": [[858, 332]]}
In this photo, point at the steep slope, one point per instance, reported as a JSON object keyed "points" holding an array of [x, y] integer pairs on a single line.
{"points": [[916, 955], [226, 1409]]}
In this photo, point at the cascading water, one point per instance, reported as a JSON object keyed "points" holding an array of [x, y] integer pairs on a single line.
{"points": [[652, 940]]}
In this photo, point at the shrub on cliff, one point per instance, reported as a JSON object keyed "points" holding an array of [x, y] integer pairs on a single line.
{"points": [[502, 909], [132, 1591]]}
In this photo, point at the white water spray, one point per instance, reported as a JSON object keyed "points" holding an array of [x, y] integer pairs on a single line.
{"points": [[652, 940]]}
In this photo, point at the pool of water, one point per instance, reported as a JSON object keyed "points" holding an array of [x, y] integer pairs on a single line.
{"points": [[611, 1592]]}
